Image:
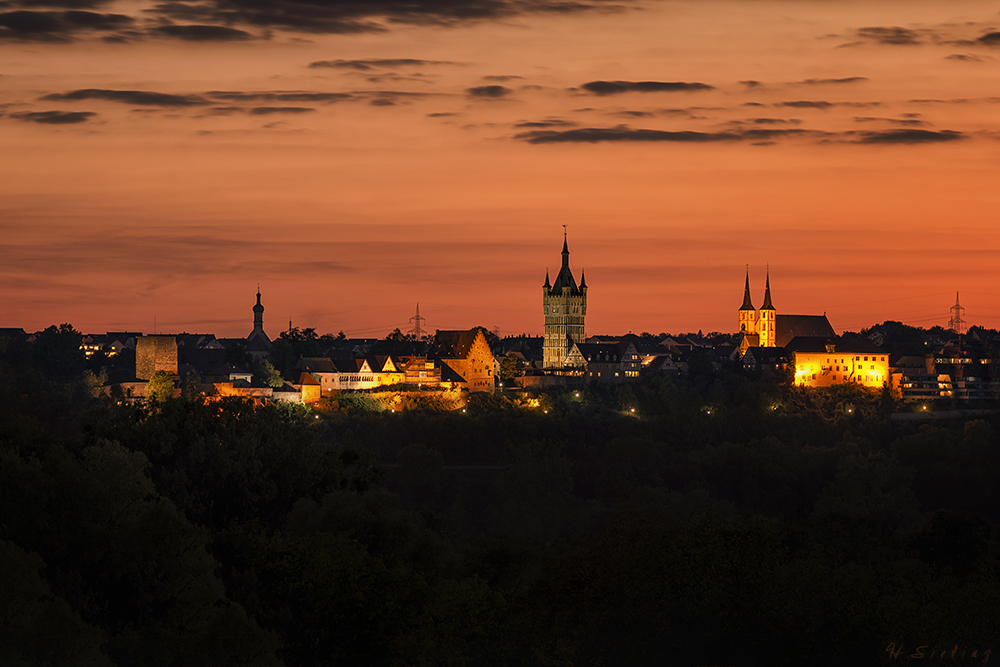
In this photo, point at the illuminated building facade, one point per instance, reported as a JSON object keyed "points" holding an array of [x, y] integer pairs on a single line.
{"points": [[824, 362], [468, 355], [155, 353], [565, 308], [605, 362], [352, 374]]}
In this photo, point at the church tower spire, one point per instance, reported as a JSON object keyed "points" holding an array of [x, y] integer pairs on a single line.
{"points": [[747, 311], [767, 293], [766, 321], [565, 250]]}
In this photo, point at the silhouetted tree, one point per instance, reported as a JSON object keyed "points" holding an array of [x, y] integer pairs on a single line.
{"points": [[58, 351]]}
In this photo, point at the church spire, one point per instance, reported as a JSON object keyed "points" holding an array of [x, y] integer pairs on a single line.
{"points": [[767, 293], [747, 303]]}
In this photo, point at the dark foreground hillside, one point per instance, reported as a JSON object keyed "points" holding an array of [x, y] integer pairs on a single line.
{"points": [[726, 521]]}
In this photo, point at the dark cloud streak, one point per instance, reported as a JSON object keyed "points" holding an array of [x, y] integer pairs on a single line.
{"points": [[60, 26], [893, 36], [910, 137], [356, 16], [278, 96], [54, 117], [823, 82], [202, 33], [136, 97], [603, 88], [622, 134], [267, 111], [488, 92], [378, 63]]}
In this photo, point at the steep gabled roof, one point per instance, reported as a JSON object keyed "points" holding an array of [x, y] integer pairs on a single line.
{"points": [[382, 363], [787, 327], [610, 353], [453, 344], [317, 364], [841, 345]]}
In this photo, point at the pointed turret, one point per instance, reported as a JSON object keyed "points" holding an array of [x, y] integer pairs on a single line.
{"points": [[747, 303], [583, 280], [547, 285], [565, 251], [767, 293]]}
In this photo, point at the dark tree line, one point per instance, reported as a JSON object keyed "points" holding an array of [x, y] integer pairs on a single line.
{"points": [[728, 520]]}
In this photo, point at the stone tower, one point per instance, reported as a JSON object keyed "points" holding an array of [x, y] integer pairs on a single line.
{"points": [[765, 323], [748, 313], [565, 307]]}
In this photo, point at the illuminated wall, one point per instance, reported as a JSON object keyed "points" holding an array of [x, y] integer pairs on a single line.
{"points": [[476, 367], [824, 369], [155, 353]]}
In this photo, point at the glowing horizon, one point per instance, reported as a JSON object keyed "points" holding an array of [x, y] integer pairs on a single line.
{"points": [[356, 161]]}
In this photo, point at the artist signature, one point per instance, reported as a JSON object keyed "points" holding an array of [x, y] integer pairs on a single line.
{"points": [[897, 651]]}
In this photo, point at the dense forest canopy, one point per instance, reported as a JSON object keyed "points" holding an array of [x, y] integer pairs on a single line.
{"points": [[722, 518]]}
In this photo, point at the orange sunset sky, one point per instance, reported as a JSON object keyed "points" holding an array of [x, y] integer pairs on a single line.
{"points": [[354, 158]]}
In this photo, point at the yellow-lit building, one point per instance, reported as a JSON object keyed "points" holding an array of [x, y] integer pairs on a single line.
{"points": [[824, 362], [468, 355], [352, 374]]}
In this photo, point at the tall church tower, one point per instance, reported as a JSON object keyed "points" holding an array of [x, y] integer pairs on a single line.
{"points": [[258, 319], [565, 307], [258, 345], [765, 323], [748, 313]]}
